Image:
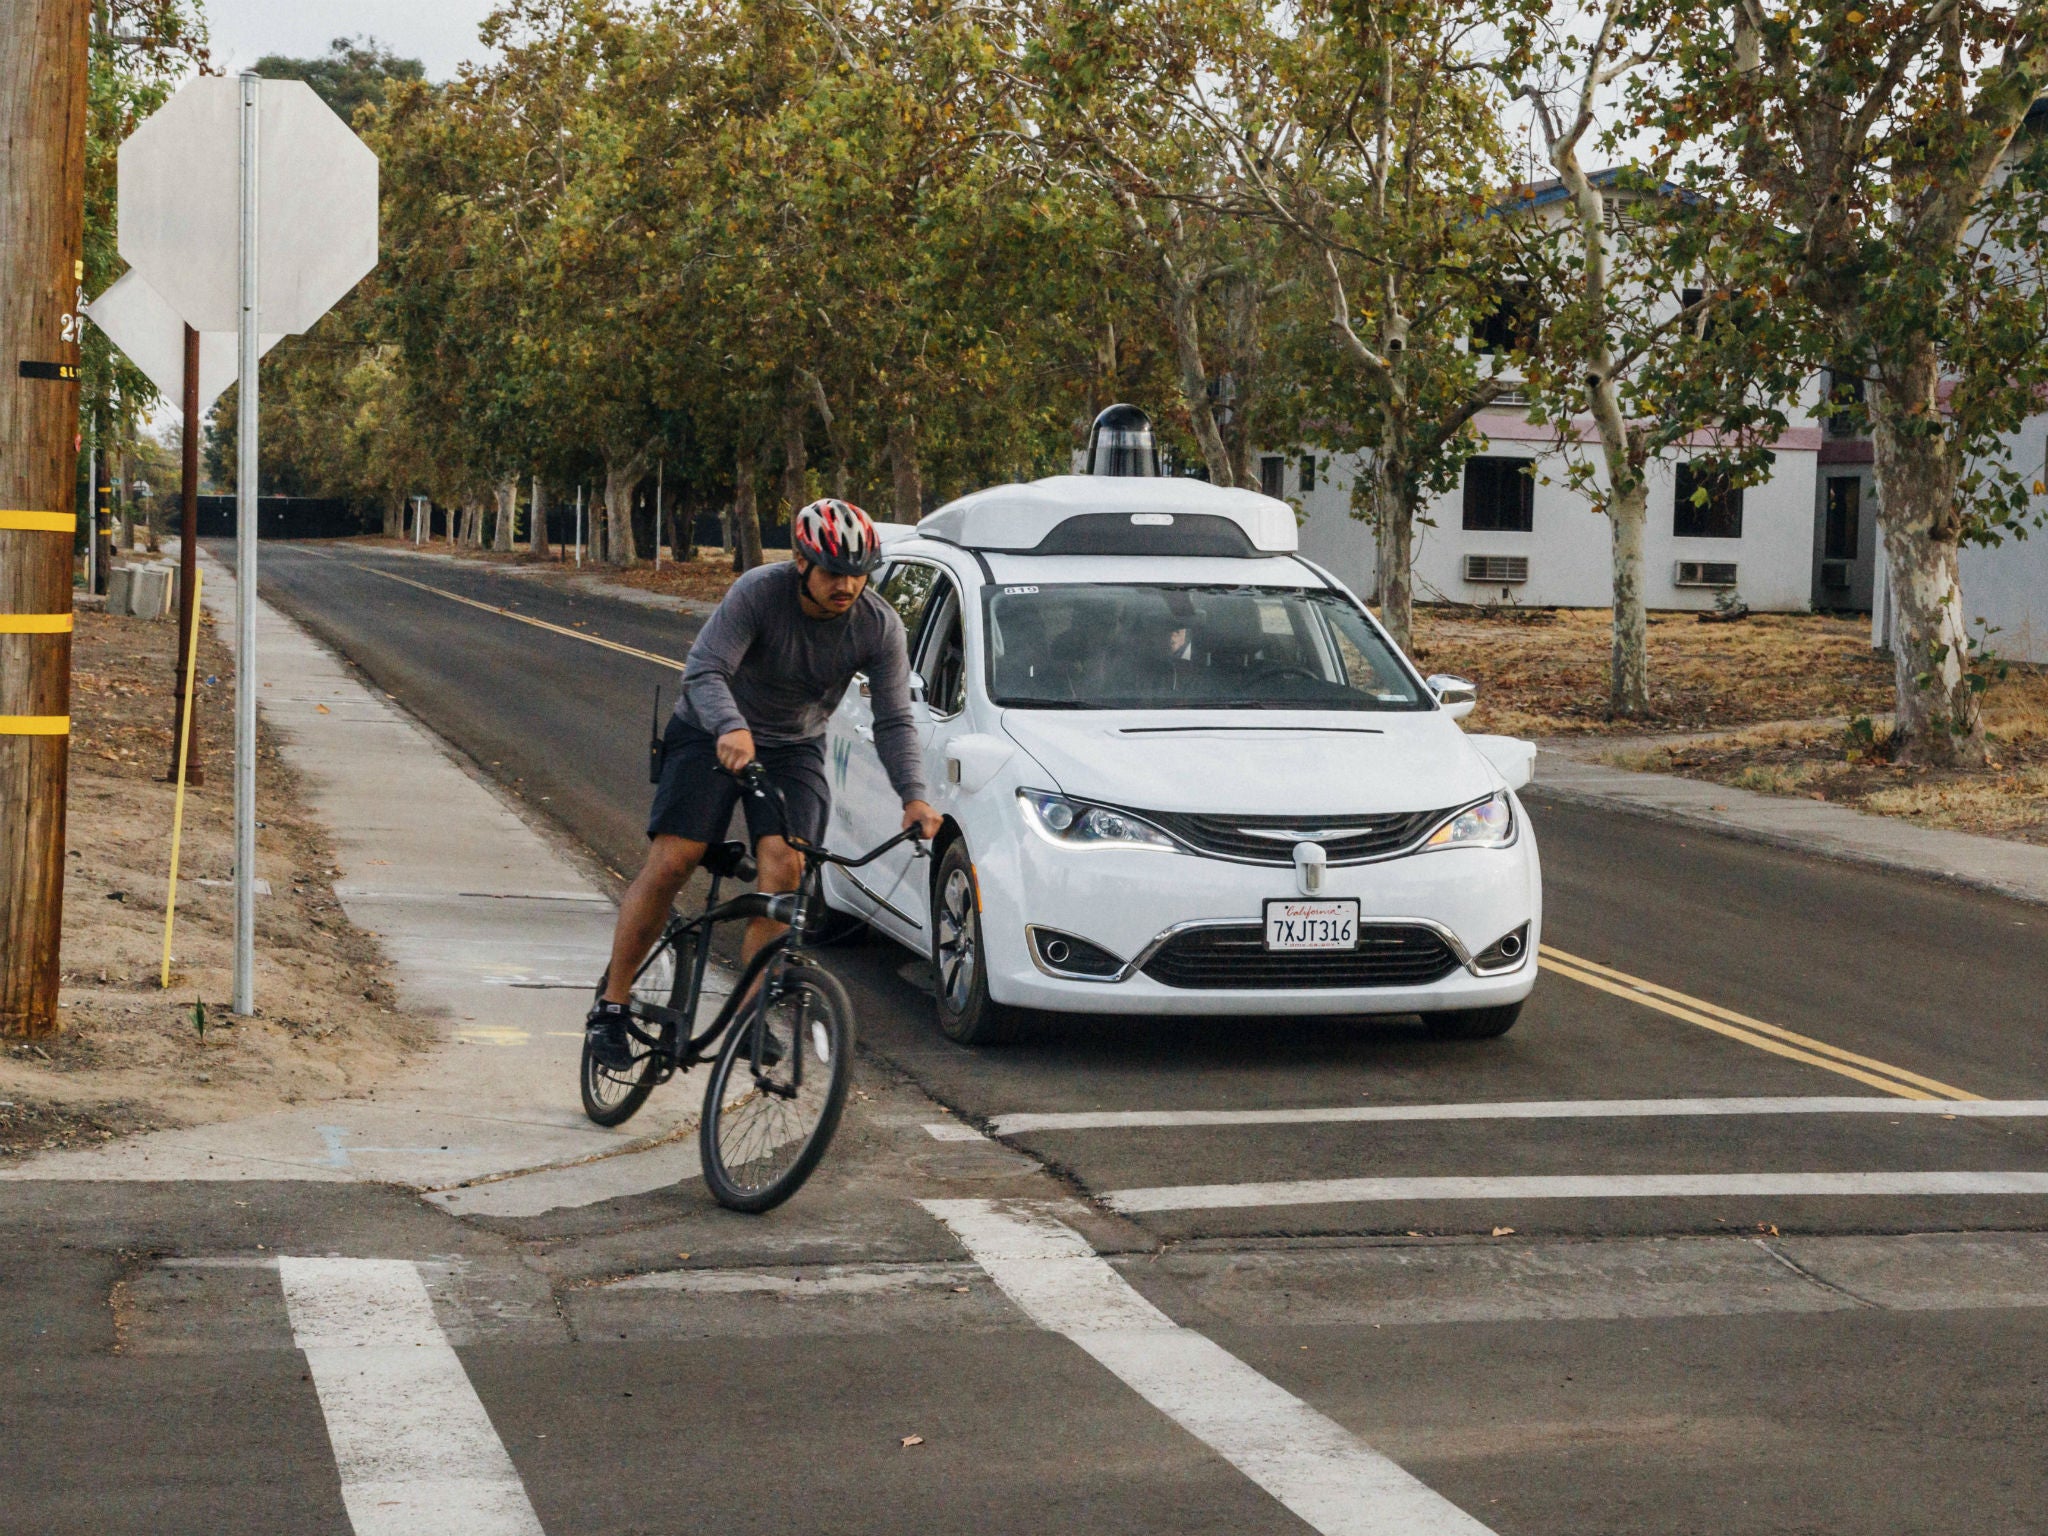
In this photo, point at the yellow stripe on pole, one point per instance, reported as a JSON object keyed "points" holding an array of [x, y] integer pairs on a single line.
{"points": [[35, 725], [184, 757], [40, 522], [35, 623]]}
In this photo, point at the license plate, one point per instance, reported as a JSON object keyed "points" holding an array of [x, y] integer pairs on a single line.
{"points": [[1312, 925]]}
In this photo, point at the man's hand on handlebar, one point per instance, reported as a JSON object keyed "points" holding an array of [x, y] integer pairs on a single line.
{"points": [[735, 750], [918, 814]]}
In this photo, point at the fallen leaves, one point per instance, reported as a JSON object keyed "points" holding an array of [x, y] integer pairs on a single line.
{"points": [[909, 1440]]}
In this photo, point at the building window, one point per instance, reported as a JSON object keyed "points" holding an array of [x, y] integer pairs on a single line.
{"points": [[1706, 505], [1273, 475], [1308, 473], [1844, 530], [1500, 495]]}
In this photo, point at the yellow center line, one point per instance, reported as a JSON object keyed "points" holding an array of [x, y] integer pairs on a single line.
{"points": [[506, 613], [1740, 1026]]}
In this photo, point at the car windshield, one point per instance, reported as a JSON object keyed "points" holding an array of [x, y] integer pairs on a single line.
{"points": [[1187, 647]]}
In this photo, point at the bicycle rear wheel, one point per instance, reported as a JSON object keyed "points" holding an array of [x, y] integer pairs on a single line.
{"points": [[613, 1095], [777, 1090]]}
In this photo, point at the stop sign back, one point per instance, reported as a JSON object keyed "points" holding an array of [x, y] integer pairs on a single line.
{"points": [[180, 195]]}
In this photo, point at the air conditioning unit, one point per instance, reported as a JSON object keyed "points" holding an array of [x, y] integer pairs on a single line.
{"points": [[1496, 570], [1705, 573], [1834, 575]]}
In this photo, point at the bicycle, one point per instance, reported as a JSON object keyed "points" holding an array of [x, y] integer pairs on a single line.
{"points": [[762, 1134]]}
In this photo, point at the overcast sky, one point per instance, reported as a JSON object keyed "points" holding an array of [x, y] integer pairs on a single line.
{"points": [[439, 33]]}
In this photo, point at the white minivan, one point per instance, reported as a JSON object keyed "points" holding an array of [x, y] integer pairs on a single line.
{"points": [[1183, 771]]}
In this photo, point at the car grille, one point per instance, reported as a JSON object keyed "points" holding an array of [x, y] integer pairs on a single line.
{"points": [[1388, 955], [1346, 839]]}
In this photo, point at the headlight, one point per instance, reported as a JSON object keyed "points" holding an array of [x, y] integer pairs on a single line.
{"points": [[1489, 824], [1077, 824]]}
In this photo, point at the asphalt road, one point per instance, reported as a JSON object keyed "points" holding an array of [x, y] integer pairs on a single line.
{"points": [[1728, 1358]]}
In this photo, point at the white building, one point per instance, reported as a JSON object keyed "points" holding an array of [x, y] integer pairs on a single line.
{"points": [[1514, 532]]}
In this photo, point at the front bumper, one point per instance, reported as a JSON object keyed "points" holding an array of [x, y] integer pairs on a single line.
{"points": [[1131, 902]]}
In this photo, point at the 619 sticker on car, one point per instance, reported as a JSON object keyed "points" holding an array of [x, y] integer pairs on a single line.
{"points": [[1312, 924]]}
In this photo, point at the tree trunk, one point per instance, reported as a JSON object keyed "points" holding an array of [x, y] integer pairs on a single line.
{"points": [[1937, 714], [841, 470], [508, 515], [1628, 663], [622, 479], [905, 469], [746, 516], [795, 464], [1194, 383], [537, 521], [1394, 519], [394, 514]]}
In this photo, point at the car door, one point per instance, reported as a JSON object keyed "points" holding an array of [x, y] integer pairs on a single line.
{"points": [[941, 660], [865, 810]]}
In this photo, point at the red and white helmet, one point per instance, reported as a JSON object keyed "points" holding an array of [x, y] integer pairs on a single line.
{"points": [[837, 535]]}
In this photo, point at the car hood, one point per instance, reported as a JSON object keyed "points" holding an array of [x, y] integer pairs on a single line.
{"points": [[1277, 763]]}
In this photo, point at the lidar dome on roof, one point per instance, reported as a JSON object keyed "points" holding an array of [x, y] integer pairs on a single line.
{"points": [[1019, 517]]}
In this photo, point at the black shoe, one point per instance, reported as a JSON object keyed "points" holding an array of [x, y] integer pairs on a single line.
{"points": [[606, 1037]]}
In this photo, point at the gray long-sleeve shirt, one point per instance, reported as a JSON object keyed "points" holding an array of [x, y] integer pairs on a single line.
{"points": [[761, 664]]}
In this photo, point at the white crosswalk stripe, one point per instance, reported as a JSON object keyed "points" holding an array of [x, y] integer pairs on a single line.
{"points": [[1311, 1464], [417, 1453]]}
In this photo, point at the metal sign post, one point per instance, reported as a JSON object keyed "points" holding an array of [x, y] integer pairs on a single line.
{"points": [[190, 179], [246, 471]]}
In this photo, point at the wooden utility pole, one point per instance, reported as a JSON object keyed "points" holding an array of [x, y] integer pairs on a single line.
{"points": [[188, 566], [42, 203]]}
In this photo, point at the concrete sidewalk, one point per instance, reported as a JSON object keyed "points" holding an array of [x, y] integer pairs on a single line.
{"points": [[491, 932], [2015, 869]]}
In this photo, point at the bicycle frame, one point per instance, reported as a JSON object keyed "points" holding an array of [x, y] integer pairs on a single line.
{"points": [[676, 1049]]}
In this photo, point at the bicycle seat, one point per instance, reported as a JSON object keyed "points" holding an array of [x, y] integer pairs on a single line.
{"points": [[731, 859]]}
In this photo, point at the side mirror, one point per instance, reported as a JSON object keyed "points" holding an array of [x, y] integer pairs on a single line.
{"points": [[916, 688], [1458, 696]]}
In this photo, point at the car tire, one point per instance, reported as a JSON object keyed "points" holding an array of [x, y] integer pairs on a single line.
{"points": [[1472, 1023], [967, 1014]]}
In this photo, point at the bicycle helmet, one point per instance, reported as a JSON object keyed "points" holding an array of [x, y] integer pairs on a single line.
{"points": [[838, 536]]}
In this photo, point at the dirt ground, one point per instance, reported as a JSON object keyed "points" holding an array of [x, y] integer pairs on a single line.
{"points": [[1850, 765], [1543, 672], [131, 1055]]}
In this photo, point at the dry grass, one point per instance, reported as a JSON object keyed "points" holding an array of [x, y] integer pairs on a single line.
{"points": [[1544, 672], [1850, 767]]}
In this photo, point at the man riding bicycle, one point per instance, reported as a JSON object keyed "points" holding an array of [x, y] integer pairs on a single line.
{"points": [[763, 678]]}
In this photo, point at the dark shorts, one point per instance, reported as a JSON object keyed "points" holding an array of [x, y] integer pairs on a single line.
{"points": [[695, 798]]}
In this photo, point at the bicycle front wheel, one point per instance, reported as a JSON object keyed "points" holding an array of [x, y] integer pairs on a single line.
{"points": [[777, 1090]]}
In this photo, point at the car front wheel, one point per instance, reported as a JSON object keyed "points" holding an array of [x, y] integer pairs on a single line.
{"points": [[967, 1014]]}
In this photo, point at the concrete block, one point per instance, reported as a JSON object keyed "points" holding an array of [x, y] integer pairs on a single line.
{"points": [[120, 587], [148, 596]]}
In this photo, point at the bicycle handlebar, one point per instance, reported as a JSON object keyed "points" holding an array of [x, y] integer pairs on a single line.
{"points": [[755, 778]]}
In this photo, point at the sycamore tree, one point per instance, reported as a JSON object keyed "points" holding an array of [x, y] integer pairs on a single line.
{"points": [[1123, 104], [1644, 336], [1861, 159], [1370, 134]]}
